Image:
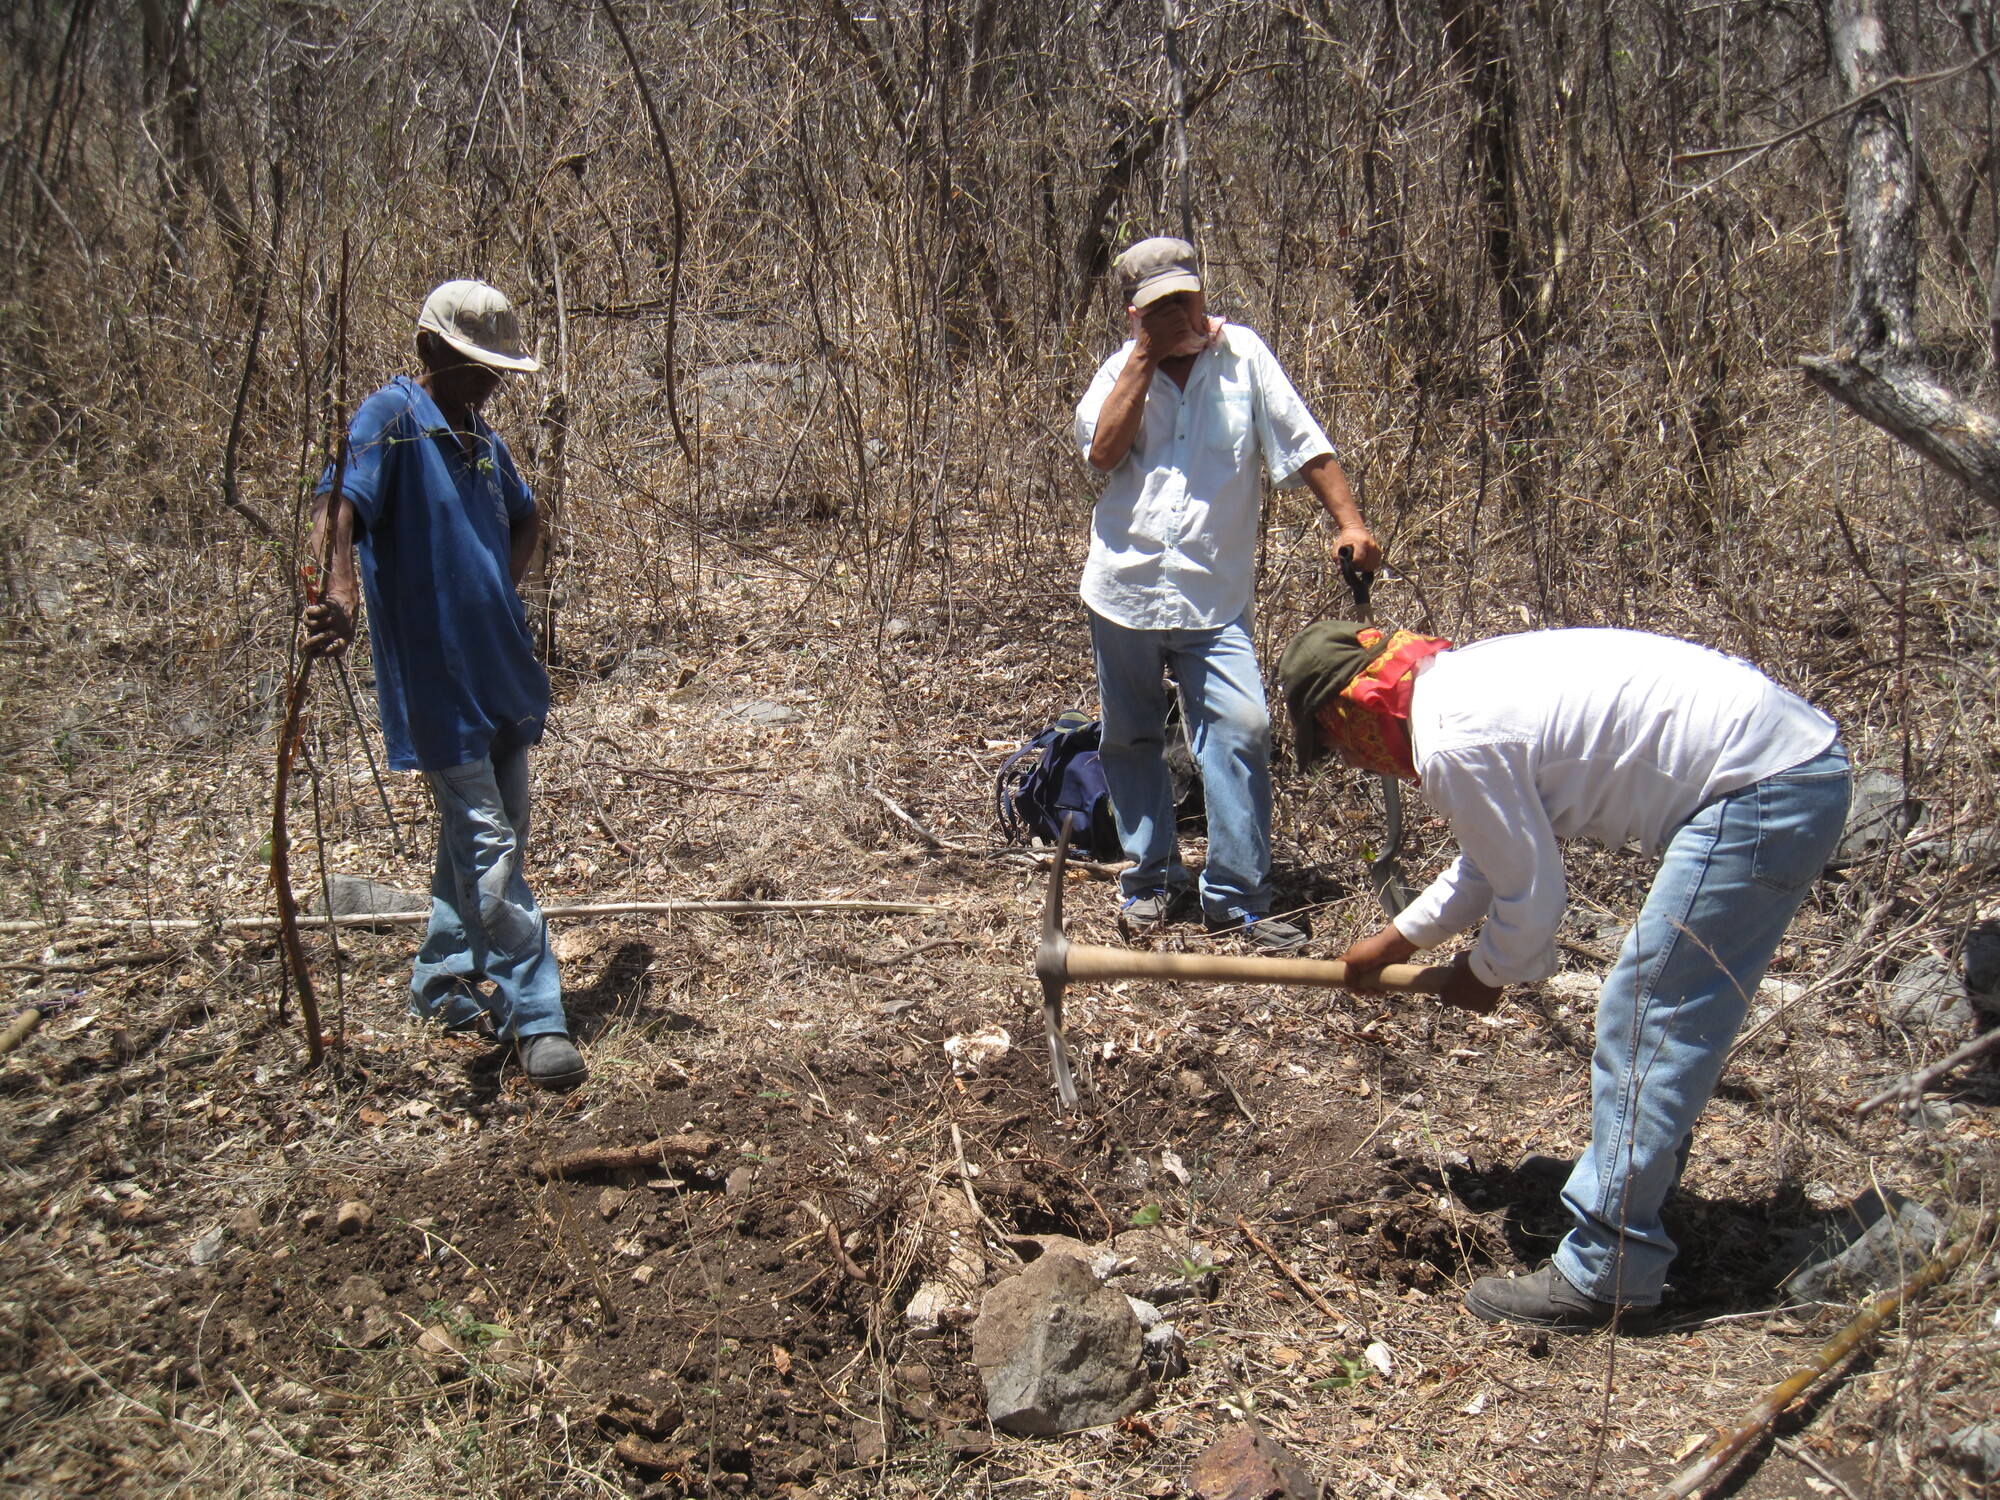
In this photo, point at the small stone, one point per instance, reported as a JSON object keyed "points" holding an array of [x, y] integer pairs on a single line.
{"points": [[966, 1442], [353, 1217], [439, 1348], [611, 1200], [651, 1460], [1058, 1351], [359, 1292], [937, 1304], [764, 714], [1191, 1085], [206, 1247], [739, 1182], [378, 1327], [247, 1225], [1245, 1465], [290, 1395], [312, 1219], [871, 1446], [644, 1275]]}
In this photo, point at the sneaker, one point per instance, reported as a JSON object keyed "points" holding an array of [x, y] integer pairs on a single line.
{"points": [[1272, 936], [551, 1061], [1155, 909], [1547, 1300]]}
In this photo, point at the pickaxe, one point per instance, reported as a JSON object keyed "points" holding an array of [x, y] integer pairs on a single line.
{"points": [[1058, 961]]}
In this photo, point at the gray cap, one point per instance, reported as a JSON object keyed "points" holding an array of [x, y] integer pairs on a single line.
{"points": [[1156, 268], [478, 321]]}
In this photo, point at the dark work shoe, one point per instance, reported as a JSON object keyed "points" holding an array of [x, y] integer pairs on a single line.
{"points": [[1272, 937], [1546, 1300], [551, 1061], [1152, 911]]}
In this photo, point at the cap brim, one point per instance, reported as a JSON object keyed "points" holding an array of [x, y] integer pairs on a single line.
{"points": [[521, 364], [1165, 286]]}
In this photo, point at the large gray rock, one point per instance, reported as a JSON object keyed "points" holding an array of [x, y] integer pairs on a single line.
{"points": [[357, 896], [1865, 1248], [1982, 963], [1058, 1350], [1927, 996], [1978, 1448], [1879, 813]]}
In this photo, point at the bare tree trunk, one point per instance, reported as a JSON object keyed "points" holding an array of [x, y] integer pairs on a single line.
{"points": [[1877, 367]]}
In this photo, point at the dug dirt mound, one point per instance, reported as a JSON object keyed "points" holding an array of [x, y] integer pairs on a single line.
{"points": [[713, 1278]]}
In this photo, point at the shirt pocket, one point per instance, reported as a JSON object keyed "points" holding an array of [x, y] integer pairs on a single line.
{"points": [[1233, 426]]}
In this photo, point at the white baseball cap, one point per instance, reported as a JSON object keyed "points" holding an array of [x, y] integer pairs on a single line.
{"points": [[478, 321]]}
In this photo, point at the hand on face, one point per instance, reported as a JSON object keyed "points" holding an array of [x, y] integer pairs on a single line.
{"points": [[1173, 327]]}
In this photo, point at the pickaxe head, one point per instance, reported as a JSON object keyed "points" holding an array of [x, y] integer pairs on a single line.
{"points": [[1052, 968]]}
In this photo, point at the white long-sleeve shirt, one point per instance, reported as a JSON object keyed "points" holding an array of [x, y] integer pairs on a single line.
{"points": [[1173, 538], [1614, 735]]}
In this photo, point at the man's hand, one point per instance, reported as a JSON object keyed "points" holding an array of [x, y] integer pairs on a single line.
{"points": [[1367, 552], [1467, 990], [330, 623], [1366, 958]]}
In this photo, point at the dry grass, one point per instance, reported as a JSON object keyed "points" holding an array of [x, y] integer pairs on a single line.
{"points": [[881, 328]]}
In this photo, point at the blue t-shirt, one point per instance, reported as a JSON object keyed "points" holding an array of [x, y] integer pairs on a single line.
{"points": [[455, 668]]}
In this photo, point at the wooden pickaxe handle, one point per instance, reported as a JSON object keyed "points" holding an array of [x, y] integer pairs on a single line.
{"points": [[1089, 962]]}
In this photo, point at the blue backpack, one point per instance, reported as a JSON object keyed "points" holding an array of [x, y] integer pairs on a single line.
{"points": [[1055, 773]]}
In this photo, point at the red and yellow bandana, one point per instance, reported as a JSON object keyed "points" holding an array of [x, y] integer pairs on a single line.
{"points": [[1369, 720]]}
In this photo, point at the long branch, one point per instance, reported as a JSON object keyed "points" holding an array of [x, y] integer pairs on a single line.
{"points": [[680, 224]]}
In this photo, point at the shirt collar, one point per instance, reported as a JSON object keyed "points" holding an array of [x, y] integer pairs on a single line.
{"points": [[430, 416]]}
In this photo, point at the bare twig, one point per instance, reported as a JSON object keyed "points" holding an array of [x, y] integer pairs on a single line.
{"points": [[1293, 1277], [1912, 1086], [418, 918]]}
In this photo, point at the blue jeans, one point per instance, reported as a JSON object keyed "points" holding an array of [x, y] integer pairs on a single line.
{"points": [[1229, 729], [485, 924], [1731, 880]]}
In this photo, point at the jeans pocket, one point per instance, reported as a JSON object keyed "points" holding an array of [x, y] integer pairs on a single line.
{"points": [[1798, 825]]}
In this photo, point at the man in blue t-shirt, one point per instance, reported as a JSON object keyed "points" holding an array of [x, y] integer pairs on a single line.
{"points": [[445, 530]]}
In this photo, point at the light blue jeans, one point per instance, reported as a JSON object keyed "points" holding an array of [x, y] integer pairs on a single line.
{"points": [[485, 924], [1229, 730], [1731, 880]]}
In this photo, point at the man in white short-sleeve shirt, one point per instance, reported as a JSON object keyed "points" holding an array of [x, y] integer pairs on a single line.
{"points": [[1188, 420]]}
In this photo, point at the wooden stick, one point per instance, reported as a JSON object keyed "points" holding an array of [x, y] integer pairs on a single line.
{"points": [[418, 918], [1293, 1276], [20, 1029], [1913, 1086], [89, 965], [1730, 1445], [593, 1159]]}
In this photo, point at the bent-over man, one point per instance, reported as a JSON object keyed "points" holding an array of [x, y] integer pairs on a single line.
{"points": [[1188, 419], [446, 529], [1739, 787]]}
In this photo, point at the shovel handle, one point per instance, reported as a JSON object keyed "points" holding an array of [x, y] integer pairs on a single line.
{"points": [[1088, 962]]}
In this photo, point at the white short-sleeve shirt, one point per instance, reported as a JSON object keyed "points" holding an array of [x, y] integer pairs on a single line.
{"points": [[1173, 539]]}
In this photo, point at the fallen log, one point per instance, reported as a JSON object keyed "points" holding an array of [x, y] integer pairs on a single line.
{"points": [[1733, 1443], [593, 1159]]}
